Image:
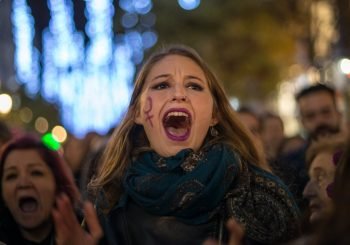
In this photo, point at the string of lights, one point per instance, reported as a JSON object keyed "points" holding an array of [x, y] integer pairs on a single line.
{"points": [[87, 73]]}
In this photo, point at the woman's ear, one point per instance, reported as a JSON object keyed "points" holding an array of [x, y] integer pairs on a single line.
{"points": [[138, 118], [214, 121]]}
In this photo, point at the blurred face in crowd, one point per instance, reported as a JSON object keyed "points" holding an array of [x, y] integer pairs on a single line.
{"points": [[176, 106], [28, 189], [272, 132], [251, 122], [318, 113], [74, 151], [321, 175]]}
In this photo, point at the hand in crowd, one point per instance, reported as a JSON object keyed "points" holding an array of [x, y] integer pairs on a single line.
{"points": [[67, 228], [236, 234]]}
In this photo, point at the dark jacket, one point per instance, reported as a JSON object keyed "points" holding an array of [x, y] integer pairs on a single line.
{"points": [[134, 226], [10, 235], [292, 169], [258, 200]]}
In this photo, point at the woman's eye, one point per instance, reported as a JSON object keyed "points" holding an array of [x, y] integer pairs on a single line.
{"points": [[10, 176], [320, 179], [195, 86], [160, 86], [37, 173]]}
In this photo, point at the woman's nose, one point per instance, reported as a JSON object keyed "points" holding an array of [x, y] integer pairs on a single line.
{"points": [[180, 94], [24, 181], [180, 98], [310, 189]]}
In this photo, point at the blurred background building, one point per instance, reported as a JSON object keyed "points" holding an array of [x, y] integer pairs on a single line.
{"points": [[69, 65]]}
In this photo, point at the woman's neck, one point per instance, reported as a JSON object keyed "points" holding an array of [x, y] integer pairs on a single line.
{"points": [[37, 234]]}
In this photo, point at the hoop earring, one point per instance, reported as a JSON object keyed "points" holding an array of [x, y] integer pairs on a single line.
{"points": [[213, 131]]}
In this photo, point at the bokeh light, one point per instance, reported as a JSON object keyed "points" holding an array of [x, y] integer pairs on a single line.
{"points": [[59, 133], [50, 141], [234, 101], [5, 103], [41, 125], [344, 65], [189, 4], [90, 81], [26, 55], [129, 20], [26, 115]]}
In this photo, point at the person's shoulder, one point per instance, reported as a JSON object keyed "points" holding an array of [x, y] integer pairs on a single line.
{"points": [[262, 202], [267, 180], [226, 153]]}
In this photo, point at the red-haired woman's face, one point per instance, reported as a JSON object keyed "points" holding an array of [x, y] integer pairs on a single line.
{"points": [[28, 188]]}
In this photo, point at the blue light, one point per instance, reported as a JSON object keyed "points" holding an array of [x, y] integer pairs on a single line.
{"points": [[142, 6], [134, 39], [149, 38], [129, 20], [91, 83], [127, 5], [26, 56], [189, 4]]}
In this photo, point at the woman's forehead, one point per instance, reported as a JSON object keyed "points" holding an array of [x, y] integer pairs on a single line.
{"points": [[173, 63], [24, 157]]}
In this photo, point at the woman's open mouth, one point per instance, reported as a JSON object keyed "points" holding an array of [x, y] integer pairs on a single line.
{"points": [[177, 124], [28, 204]]}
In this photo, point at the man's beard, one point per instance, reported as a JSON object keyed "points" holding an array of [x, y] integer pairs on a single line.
{"points": [[323, 130]]}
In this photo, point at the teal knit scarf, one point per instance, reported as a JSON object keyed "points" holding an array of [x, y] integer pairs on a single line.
{"points": [[189, 186]]}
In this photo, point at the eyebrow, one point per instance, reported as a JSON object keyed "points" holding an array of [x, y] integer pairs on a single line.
{"points": [[318, 170], [168, 75], [34, 164], [194, 77], [160, 76], [9, 168]]}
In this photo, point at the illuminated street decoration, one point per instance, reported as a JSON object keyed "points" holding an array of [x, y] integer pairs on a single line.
{"points": [[26, 56], [90, 82]]}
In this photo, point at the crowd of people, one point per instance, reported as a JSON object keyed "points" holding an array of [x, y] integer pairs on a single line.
{"points": [[183, 167]]}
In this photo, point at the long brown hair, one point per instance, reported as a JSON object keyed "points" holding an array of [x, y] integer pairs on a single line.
{"points": [[129, 138]]}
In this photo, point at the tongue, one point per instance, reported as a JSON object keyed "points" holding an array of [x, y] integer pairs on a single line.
{"points": [[29, 205], [176, 131]]}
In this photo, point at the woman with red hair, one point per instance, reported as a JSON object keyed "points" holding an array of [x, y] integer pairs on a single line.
{"points": [[32, 177]]}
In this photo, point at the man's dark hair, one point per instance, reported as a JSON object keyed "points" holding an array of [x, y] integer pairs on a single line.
{"points": [[319, 87]]}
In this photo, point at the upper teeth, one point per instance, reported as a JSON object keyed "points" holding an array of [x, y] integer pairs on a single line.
{"points": [[177, 114]]}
